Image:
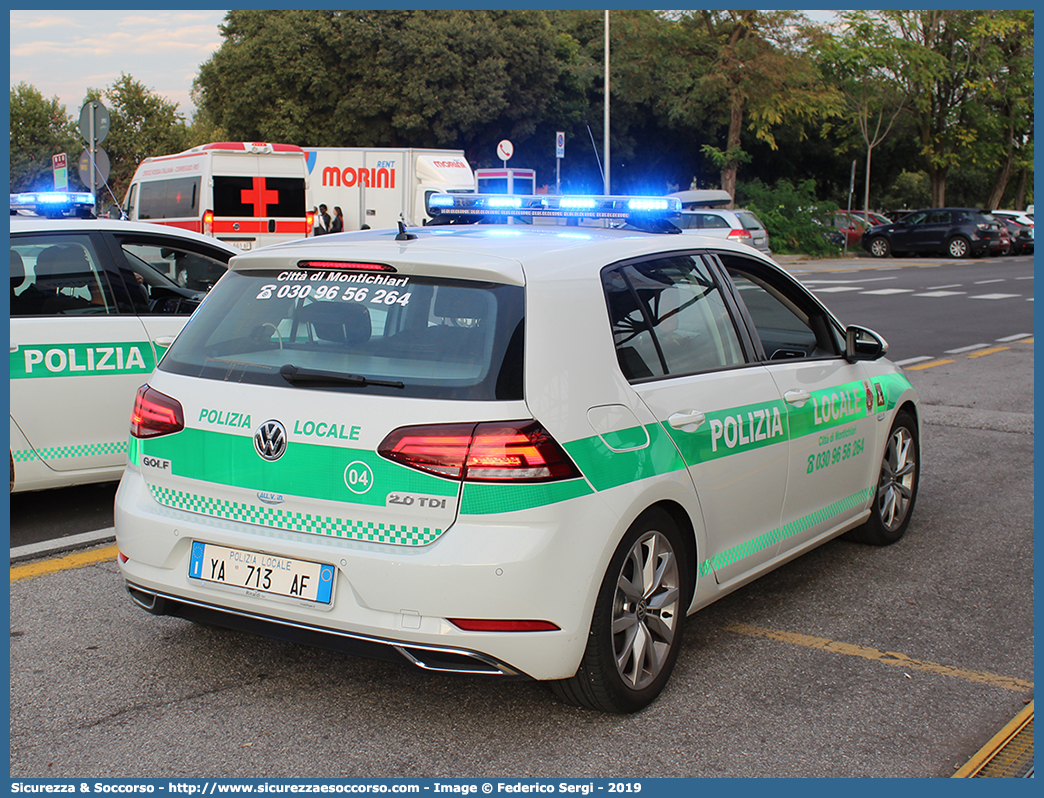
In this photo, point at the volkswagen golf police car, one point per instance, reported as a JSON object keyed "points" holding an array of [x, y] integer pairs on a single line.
{"points": [[518, 450], [94, 304]]}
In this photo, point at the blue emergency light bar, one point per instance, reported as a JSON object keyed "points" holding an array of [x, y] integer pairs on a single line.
{"points": [[619, 208], [54, 204]]}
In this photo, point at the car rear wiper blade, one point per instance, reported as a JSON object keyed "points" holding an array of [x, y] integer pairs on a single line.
{"points": [[300, 376]]}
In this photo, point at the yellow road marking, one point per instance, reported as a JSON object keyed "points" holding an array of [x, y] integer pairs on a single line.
{"points": [[924, 366], [885, 657], [70, 561], [987, 753], [982, 352]]}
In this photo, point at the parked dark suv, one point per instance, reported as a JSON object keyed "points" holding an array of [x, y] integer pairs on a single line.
{"points": [[957, 232]]}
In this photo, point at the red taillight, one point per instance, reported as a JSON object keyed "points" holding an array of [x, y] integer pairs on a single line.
{"points": [[740, 235], [155, 414], [509, 451], [484, 625], [309, 221], [208, 223]]}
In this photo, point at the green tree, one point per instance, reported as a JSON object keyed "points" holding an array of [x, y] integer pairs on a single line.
{"points": [[40, 128], [143, 124], [382, 78], [954, 94], [747, 70], [865, 60]]}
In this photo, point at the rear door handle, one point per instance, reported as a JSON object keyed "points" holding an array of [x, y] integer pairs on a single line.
{"points": [[687, 420], [797, 398], [163, 340]]}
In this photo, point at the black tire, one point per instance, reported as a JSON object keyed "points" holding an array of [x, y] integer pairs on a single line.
{"points": [[879, 247], [959, 247], [897, 485], [644, 595]]}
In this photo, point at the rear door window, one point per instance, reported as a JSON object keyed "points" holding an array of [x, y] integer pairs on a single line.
{"points": [[395, 335], [669, 318]]}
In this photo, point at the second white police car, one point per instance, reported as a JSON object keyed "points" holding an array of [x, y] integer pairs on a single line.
{"points": [[512, 449]]}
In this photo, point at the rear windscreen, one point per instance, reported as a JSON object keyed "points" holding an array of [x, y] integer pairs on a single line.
{"points": [[259, 196], [387, 334], [750, 221]]}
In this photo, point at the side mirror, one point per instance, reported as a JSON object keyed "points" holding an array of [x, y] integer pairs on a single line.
{"points": [[863, 344]]}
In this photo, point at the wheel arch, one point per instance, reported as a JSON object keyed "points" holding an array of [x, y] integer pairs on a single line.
{"points": [[681, 518]]}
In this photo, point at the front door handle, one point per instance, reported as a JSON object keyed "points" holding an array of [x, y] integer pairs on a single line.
{"points": [[687, 420], [797, 398]]}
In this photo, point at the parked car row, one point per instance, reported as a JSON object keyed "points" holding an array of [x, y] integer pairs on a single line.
{"points": [[954, 232]]}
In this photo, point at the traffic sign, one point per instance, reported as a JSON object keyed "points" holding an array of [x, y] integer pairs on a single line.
{"points": [[101, 167], [560, 145], [505, 150], [60, 167], [101, 122]]}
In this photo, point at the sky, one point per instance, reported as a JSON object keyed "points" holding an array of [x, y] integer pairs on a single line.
{"points": [[65, 52]]}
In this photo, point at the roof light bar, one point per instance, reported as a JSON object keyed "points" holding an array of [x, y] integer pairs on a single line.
{"points": [[461, 206], [54, 203]]}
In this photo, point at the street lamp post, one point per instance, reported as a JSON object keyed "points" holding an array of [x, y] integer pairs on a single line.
{"points": [[606, 121]]}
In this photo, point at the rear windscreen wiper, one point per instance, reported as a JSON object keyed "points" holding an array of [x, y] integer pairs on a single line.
{"points": [[300, 376]]}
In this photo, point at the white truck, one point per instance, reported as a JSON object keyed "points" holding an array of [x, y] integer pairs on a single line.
{"points": [[378, 186]]}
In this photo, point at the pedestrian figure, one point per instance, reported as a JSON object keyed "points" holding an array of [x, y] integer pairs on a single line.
{"points": [[337, 225]]}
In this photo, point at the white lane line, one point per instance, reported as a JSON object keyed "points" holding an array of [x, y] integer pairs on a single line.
{"points": [[985, 282], [941, 293], [1010, 338], [837, 289], [944, 287], [911, 360], [964, 349], [62, 544], [996, 296], [889, 291]]}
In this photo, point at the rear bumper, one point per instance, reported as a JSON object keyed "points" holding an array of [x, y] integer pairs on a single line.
{"points": [[433, 658]]}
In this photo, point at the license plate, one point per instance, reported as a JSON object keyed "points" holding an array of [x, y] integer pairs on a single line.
{"points": [[265, 573], [241, 244]]}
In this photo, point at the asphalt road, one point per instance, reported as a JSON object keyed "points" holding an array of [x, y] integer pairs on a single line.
{"points": [[852, 661]]}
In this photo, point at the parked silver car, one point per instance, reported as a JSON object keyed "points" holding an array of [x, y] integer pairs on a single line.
{"points": [[735, 225]]}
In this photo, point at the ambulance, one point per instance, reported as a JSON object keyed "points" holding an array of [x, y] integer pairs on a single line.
{"points": [[376, 187], [248, 194]]}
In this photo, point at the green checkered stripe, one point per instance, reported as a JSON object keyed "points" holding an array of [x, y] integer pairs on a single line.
{"points": [[65, 452], [769, 539], [275, 518]]}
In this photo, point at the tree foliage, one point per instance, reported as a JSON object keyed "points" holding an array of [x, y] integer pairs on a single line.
{"points": [[40, 129], [142, 124], [736, 99]]}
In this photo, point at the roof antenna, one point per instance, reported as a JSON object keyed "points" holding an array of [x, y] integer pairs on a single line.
{"points": [[403, 235]]}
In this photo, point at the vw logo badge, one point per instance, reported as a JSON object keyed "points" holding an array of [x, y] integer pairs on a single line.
{"points": [[270, 440]]}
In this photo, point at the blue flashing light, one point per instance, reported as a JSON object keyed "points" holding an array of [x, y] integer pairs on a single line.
{"points": [[662, 204], [53, 203], [504, 202], [440, 201], [578, 203]]}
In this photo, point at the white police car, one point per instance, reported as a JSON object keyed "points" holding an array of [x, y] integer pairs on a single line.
{"points": [[94, 304], [520, 450]]}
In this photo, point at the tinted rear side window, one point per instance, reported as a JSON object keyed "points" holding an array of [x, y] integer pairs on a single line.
{"points": [[749, 221], [447, 339], [170, 199], [259, 197]]}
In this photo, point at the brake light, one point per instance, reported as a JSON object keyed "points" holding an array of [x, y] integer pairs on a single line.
{"points": [[309, 221], [740, 235], [509, 451], [343, 264], [155, 414], [208, 223]]}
